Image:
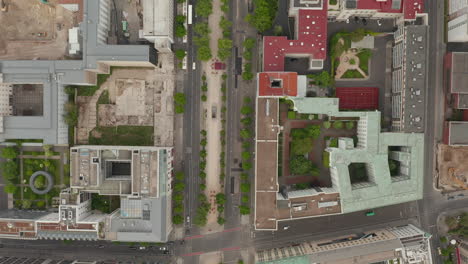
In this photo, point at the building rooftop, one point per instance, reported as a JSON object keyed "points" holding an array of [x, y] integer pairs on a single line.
{"points": [[358, 98], [415, 79], [459, 75], [277, 84], [311, 39], [408, 7], [458, 133], [371, 246]]}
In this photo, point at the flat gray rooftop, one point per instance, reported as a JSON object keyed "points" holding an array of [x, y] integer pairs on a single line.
{"points": [[458, 133], [459, 78], [415, 79]]}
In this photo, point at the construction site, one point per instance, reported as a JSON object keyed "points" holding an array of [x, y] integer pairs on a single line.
{"points": [[35, 30], [138, 101], [452, 168]]}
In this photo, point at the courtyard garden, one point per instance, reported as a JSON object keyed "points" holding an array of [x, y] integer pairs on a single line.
{"points": [[304, 161], [33, 175], [348, 62]]}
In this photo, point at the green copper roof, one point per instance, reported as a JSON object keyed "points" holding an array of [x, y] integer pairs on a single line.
{"points": [[372, 149]]}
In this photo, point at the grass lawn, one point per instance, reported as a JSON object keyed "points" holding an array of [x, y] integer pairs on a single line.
{"points": [[104, 203], [326, 159], [122, 135], [364, 57], [90, 90], [32, 165], [352, 74], [104, 98]]}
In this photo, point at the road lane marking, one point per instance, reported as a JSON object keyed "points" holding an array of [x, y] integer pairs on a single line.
{"points": [[231, 249], [231, 230], [193, 254], [193, 237]]}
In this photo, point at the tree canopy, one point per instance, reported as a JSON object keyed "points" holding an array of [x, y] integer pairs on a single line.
{"points": [[300, 165], [204, 8], [263, 15]]}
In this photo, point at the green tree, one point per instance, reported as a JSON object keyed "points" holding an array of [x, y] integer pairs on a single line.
{"points": [[246, 110], [202, 186], [313, 131], [301, 146], [180, 54], [178, 209], [245, 134], [178, 197], [245, 187], [246, 165], [180, 30], [263, 15], [225, 24], [246, 145], [221, 220], [26, 204], [179, 176], [40, 204], [202, 174], [204, 53], [220, 198], [179, 102], [9, 170], [10, 188], [244, 210], [300, 165], [338, 125], [204, 8], [249, 43], [247, 55], [245, 199], [177, 219], [179, 186], [202, 29], [322, 79], [224, 48], [246, 121], [39, 182], [9, 152], [349, 125], [443, 240], [203, 142], [204, 98], [203, 132], [203, 154], [326, 124], [245, 155]]}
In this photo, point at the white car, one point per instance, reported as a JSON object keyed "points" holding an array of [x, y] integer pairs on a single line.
{"points": [[285, 227], [188, 219], [142, 248], [194, 66]]}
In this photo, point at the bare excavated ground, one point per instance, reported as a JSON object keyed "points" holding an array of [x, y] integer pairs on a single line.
{"points": [[33, 30], [452, 165]]}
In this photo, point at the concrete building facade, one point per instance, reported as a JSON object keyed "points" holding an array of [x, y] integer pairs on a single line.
{"points": [[403, 244], [457, 24], [140, 176], [53, 76]]}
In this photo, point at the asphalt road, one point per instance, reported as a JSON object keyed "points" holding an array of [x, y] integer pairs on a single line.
{"points": [[82, 250]]}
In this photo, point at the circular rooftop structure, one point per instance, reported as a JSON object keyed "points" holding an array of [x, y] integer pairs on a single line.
{"points": [[50, 182]]}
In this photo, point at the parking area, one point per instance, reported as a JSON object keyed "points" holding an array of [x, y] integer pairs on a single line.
{"points": [[34, 30]]}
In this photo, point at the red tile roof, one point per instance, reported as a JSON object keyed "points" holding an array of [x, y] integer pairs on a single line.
{"points": [[311, 40], [354, 98], [408, 7], [289, 84]]}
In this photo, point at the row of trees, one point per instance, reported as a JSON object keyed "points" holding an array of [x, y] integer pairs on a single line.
{"points": [[204, 89], [225, 43], [246, 135], [202, 40], [180, 30], [178, 199], [10, 168], [179, 103], [220, 197], [204, 207], [248, 44]]}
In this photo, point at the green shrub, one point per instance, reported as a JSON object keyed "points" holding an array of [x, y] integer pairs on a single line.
{"points": [[177, 219], [349, 125], [338, 125], [326, 124], [291, 115], [326, 159]]}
